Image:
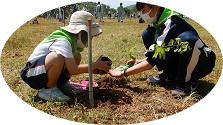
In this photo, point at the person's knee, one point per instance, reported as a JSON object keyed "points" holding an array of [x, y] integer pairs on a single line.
{"points": [[145, 34], [54, 59], [188, 36], [59, 58], [56, 56]]}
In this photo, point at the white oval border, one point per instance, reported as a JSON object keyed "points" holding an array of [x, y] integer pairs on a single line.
{"points": [[15, 111]]}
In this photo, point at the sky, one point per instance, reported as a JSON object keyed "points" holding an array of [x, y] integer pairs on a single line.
{"points": [[115, 3]]}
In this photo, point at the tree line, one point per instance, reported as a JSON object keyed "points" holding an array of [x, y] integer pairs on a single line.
{"points": [[88, 6]]}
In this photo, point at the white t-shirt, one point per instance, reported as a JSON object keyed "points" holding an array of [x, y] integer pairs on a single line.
{"points": [[60, 46]]}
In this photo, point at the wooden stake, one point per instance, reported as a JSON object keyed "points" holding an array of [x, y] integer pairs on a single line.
{"points": [[91, 96]]}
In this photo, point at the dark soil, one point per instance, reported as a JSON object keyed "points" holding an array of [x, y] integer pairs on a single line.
{"points": [[132, 101]]}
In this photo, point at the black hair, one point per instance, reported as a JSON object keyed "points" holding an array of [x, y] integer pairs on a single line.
{"points": [[98, 2], [120, 3], [140, 5], [84, 37]]}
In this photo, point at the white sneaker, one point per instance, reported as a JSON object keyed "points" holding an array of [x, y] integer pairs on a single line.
{"points": [[52, 94]]}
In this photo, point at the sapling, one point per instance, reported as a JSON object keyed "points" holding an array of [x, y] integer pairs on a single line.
{"points": [[132, 56]]}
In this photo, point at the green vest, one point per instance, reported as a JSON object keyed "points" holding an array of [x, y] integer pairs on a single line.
{"points": [[60, 33], [166, 14]]}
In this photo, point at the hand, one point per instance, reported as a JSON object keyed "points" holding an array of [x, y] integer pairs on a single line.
{"points": [[101, 65], [105, 59], [116, 73], [77, 58]]}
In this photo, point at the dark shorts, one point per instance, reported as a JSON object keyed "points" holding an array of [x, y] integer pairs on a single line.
{"points": [[204, 66], [35, 74]]}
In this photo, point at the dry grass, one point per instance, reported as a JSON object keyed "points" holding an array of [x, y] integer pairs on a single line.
{"points": [[122, 101]]}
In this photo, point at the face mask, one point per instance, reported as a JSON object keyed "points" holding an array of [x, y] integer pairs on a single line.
{"points": [[82, 40], [147, 18]]}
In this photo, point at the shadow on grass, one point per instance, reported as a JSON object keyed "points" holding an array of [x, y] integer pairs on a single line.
{"points": [[115, 97], [111, 91], [114, 93], [204, 87], [137, 90]]}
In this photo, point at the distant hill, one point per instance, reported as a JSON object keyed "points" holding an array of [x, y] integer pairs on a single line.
{"points": [[131, 6], [131, 9]]}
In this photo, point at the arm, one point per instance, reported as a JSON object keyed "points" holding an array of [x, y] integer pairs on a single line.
{"points": [[74, 69], [71, 62], [140, 67], [143, 66], [77, 58]]}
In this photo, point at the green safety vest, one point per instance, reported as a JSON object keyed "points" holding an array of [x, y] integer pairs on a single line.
{"points": [[166, 14], [60, 33]]}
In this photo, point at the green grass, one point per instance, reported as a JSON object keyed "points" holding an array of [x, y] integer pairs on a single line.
{"points": [[132, 100]]}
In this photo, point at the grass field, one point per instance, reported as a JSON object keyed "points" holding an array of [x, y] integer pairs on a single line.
{"points": [[120, 101]]}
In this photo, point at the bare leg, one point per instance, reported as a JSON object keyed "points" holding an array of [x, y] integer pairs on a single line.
{"points": [[54, 65]]}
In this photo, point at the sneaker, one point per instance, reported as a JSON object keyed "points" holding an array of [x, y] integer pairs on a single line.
{"points": [[193, 86], [70, 89], [188, 89], [153, 79], [178, 92], [52, 94], [161, 78]]}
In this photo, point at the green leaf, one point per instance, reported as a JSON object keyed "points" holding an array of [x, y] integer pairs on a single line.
{"points": [[131, 53], [160, 52], [178, 45], [171, 43], [155, 54]]}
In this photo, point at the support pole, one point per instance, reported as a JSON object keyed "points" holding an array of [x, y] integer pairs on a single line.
{"points": [[91, 96]]}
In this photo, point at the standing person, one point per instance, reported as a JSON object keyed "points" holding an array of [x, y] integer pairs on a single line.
{"points": [[61, 14], [99, 12], [48, 14], [109, 14], [75, 7], [35, 21], [174, 47], [58, 57], [85, 8], [121, 13]]}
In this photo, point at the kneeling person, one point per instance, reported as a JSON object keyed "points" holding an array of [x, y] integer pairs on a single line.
{"points": [[58, 57], [174, 47]]}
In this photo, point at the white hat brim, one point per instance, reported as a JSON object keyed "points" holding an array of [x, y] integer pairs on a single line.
{"points": [[75, 29]]}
